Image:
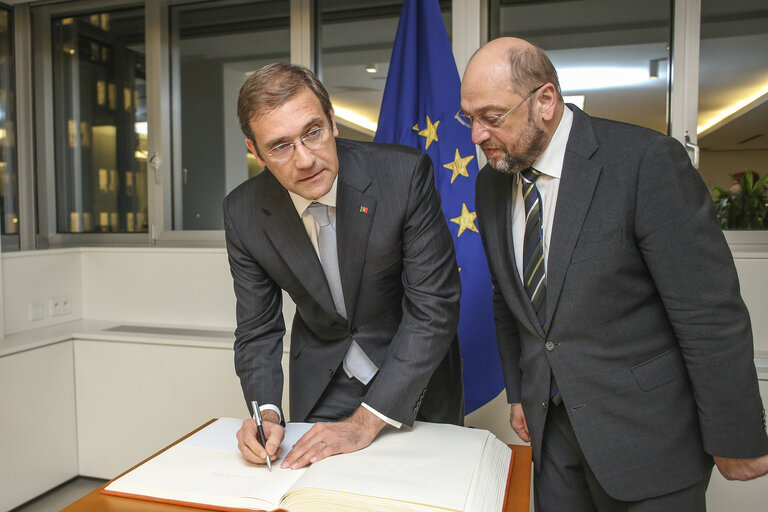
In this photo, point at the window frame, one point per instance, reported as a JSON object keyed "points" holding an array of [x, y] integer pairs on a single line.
{"points": [[47, 235], [12, 242], [36, 159]]}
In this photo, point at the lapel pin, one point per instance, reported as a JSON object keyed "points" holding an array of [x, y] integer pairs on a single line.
{"points": [[363, 209]]}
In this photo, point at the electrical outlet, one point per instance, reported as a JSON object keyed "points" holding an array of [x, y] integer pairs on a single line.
{"points": [[61, 305], [35, 310]]}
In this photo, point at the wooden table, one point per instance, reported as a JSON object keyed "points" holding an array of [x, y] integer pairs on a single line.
{"points": [[518, 492]]}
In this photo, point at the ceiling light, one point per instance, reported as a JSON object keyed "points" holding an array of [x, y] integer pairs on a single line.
{"points": [[355, 118], [741, 106], [577, 100], [653, 67], [370, 68], [580, 79]]}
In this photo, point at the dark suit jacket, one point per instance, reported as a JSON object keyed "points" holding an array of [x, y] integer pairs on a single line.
{"points": [[399, 277], [647, 335]]}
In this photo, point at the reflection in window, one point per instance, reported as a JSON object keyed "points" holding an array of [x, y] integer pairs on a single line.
{"points": [[100, 122], [611, 56], [214, 48], [733, 111], [9, 189], [356, 40]]}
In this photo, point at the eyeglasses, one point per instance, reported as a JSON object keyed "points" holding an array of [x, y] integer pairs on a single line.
{"points": [[313, 139], [491, 121]]}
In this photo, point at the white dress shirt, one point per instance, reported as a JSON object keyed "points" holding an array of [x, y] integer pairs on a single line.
{"points": [[550, 165]]}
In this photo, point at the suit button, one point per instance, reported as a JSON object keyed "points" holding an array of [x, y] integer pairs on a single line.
{"points": [[544, 404], [549, 346], [353, 331], [330, 374]]}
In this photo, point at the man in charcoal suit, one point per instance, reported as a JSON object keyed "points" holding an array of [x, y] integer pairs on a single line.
{"points": [[626, 347], [354, 233]]}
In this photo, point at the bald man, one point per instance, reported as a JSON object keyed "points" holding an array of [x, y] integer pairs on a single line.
{"points": [[626, 347]]}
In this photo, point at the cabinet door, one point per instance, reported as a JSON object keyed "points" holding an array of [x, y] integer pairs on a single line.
{"points": [[134, 399], [38, 441]]}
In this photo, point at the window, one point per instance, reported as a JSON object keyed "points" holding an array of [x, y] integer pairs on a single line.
{"points": [[9, 189], [355, 44], [733, 89], [611, 57], [214, 47], [98, 119], [100, 122]]}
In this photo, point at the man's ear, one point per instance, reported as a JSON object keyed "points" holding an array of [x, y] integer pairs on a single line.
{"points": [[546, 102], [255, 151], [333, 124]]}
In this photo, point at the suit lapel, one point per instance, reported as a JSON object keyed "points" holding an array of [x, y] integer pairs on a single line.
{"points": [[577, 187], [355, 212], [289, 237], [502, 196]]}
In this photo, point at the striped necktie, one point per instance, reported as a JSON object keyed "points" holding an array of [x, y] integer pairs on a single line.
{"points": [[534, 276]]}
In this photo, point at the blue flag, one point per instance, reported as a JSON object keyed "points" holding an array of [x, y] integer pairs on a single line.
{"points": [[421, 97]]}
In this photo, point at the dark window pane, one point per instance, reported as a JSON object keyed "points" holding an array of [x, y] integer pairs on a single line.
{"points": [[100, 122], [733, 111], [611, 55], [356, 40], [9, 188], [214, 48]]}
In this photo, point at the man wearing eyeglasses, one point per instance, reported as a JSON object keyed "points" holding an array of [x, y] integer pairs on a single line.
{"points": [[354, 234], [626, 347]]}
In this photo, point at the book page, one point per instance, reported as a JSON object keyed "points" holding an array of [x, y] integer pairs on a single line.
{"points": [[494, 467], [208, 468], [432, 465]]}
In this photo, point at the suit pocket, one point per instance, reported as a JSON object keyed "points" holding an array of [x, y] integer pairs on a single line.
{"points": [[660, 370], [602, 245]]}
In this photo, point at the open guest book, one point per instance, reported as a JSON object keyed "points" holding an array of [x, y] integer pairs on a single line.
{"points": [[428, 468]]}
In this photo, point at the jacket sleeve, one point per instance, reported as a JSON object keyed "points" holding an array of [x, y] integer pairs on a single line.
{"points": [[694, 273], [507, 337], [431, 292], [260, 325]]}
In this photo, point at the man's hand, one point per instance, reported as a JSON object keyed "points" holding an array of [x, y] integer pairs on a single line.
{"points": [[326, 439], [248, 441], [742, 469], [517, 421]]}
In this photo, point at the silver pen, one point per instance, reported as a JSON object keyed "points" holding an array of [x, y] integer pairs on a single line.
{"points": [[260, 429]]}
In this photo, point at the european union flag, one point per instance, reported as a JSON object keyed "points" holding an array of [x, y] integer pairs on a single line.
{"points": [[421, 97]]}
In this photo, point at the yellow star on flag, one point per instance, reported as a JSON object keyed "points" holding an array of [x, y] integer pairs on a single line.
{"points": [[466, 220], [459, 165], [430, 132]]}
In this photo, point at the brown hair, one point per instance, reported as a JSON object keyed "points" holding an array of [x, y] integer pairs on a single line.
{"points": [[530, 68], [271, 86]]}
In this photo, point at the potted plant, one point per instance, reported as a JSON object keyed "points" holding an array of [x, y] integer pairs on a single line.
{"points": [[745, 204]]}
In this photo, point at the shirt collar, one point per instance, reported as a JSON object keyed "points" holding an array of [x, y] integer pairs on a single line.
{"points": [[301, 203], [550, 162]]}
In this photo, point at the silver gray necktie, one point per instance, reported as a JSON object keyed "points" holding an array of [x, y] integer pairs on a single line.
{"points": [[356, 362], [329, 258]]}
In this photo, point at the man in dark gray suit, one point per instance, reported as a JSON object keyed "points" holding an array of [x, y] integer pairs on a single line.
{"points": [[354, 233], [626, 347]]}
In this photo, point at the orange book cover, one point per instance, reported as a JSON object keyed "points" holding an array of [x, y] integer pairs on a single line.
{"points": [[199, 473]]}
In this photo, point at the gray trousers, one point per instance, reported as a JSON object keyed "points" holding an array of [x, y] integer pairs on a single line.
{"points": [[340, 399], [565, 483]]}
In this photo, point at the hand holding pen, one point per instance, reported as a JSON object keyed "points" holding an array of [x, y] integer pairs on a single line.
{"points": [[253, 436], [260, 429]]}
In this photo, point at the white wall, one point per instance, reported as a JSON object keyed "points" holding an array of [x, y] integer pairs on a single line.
{"points": [[38, 276], [753, 277], [186, 287]]}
